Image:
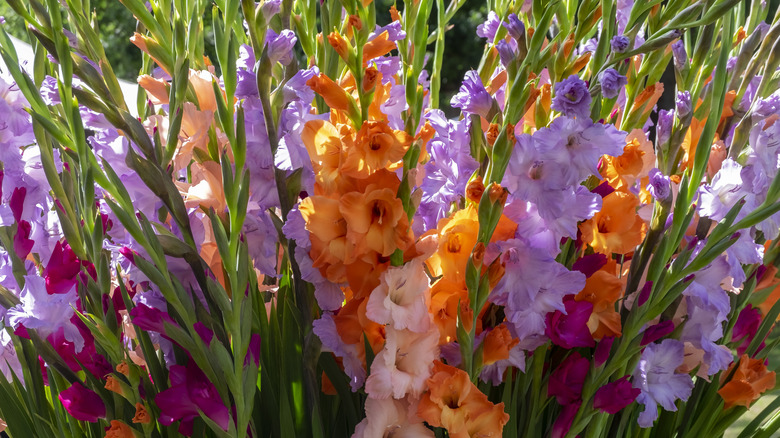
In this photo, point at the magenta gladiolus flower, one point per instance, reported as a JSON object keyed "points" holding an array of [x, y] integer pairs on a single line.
{"points": [[190, 392], [149, 318], [656, 332], [62, 269], [615, 396], [566, 381], [570, 330], [82, 404], [565, 419]]}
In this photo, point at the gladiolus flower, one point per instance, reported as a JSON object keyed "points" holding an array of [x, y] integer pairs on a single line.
{"points": [[376, 146], [190, 393], [614, 396], [454, 403], [616, 228], [403, 365], [119, 430], [375, 221], [390, 417], [566, 381], [82, 404], [401, 299], [750, 380], [570, 330], [497, 344], [335, 96], [141, 414]]}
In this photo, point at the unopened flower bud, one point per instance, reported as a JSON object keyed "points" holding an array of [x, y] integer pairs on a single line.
{"points": [[474, 190], [492, 133], [370, 79], [478, 254], [496, 193], [683, 103], [620, 43], [339, 44]]}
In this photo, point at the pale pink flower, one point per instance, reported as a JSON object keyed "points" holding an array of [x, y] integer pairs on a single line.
{"points": [[404, 364], [389, 417], [401, 299]]}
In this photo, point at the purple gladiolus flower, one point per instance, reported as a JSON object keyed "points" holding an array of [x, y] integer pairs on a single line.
{"points": [[572, 97], [614, 396], [679, 54], [190, 392], [683, 103], [663, 129], [619, 43], [82, 403], [280, 45], [514, 27], [472, 96], [506, 52], [489, 28], [611, 83], [660, 185], [567, 380], [656, 378], [570, 330]]}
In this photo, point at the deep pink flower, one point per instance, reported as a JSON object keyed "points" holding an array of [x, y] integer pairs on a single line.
{"points": [[22, 242], [615, 396], [602, 350], [746, 327], [150, 319], [565, 418], [17, 202], [656, 332], [62, 269], [589, 264], [190, 391], [570, 330], [82, 404], [566, 381]]}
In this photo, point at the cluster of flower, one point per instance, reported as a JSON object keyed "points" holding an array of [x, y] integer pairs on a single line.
{"points": [[552, 235]]}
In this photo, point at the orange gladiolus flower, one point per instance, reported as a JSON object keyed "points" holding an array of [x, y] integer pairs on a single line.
{"points": [[335, 96], [119, 430], [375, 221], [454, 403], [750, 380], [457, 237], [351, 323], [445, 296], [769, 281], [617, 227], [379, 46], [623, 171], [497, 344], [141, 414], [323, 142], [376, 146], [603, 289]]}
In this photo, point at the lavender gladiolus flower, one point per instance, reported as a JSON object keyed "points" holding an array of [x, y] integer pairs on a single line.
{"points": [[572, 97], [619, 43], [472, 96], [489, 28], [506, 52], [280, 45], [660, 185], [718, 197], [683, 103], [663, 129], [611, 83], [679, 54], [655, 376], [514, 27]]}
